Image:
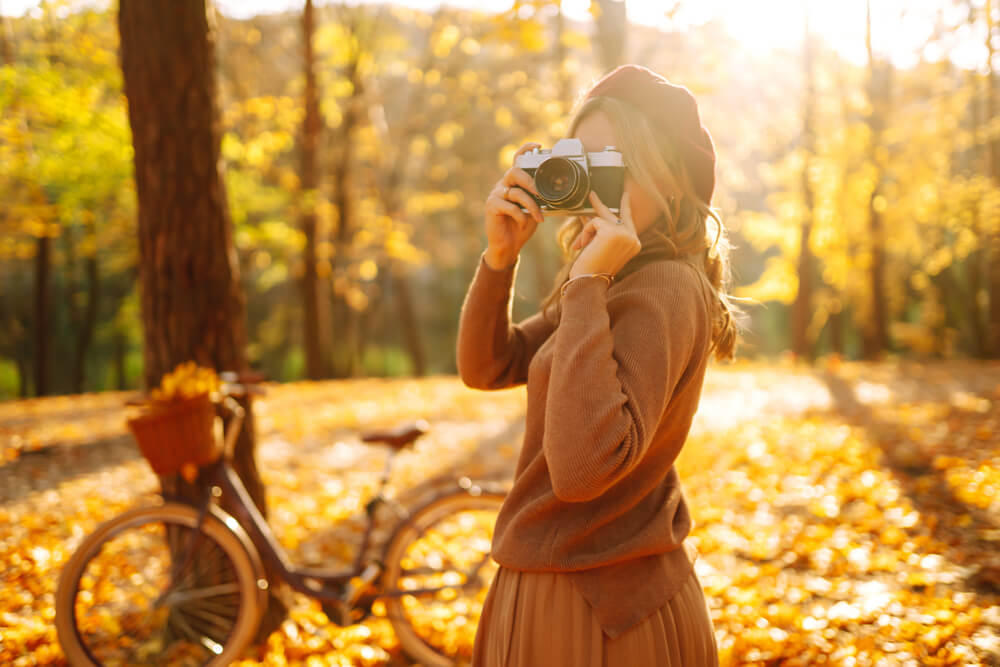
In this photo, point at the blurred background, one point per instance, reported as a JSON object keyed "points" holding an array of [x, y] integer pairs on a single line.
{"points": [[857, 173]]}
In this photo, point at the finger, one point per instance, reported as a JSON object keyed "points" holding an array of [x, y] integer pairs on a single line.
{"points": [[518, 195], [586, 234], [583, 240], [510, 208], [599, 207], [518, 176], [527, 147]]}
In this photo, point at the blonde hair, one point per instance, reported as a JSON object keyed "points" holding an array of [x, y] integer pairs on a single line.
{"points": [[651, 158]]}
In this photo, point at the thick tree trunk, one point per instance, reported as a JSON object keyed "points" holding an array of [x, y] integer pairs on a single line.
{"points": [[192, 305], [802, 308], [191, 302], [317, 365]]}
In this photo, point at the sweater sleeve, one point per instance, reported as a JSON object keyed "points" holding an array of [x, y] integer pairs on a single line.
{"points": [[610, 384], [492, 353]]}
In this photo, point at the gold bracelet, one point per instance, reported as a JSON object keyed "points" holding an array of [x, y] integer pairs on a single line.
{"points": [[607, 278]]}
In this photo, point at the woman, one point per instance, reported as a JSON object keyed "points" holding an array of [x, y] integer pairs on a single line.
{"points": [[593, 567]]}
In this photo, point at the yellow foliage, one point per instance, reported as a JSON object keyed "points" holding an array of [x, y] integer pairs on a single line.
{"points": [[432, 77], [447, 134], [779, 282], [187, 380], [812, 546], [443, 41], [503, 117], [368, 269], [469, 46]]}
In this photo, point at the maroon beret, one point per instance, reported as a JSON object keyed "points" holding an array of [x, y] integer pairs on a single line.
{"points": [[670, 108]]}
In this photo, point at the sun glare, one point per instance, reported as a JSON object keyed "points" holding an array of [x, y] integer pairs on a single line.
{"points": [[900, 28]]}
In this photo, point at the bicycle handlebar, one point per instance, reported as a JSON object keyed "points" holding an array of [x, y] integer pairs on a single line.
{"points": [[234, 383]]}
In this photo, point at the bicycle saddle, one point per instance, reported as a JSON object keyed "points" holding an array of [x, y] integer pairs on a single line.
{"points": [[398, 438]]}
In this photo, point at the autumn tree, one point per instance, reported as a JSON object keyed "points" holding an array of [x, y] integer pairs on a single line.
{"points": [[876, 337], [611, 26], [315, 343], [803, 311], [192, 304], [993, 167]]}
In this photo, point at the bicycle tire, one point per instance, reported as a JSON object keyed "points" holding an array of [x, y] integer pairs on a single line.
{"points": [[440, 635], [223, 581]]}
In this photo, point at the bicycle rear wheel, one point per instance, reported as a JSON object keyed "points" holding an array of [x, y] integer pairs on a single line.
{"points": [[119, 603], [444, 546]]}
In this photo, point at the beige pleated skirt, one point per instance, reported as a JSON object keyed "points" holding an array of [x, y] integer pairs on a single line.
{"points": [[539, 619]]}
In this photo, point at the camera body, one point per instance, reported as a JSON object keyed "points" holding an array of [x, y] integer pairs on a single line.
{"points": [[565, 175]]}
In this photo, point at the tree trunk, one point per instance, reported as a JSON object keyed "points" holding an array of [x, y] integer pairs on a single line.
{"points": [[836, 324], [611, 24], [876, 337], [85, 333], [993, 153], [314, 343], [6, 45], [344, 316], [390, 189], [191, 302], [42, 304], [83, 323], [118, 346], [802, 309], [192, 305], [406, 317], [22, 378]]}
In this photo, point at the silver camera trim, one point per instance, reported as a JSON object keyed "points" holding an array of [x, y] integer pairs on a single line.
{"points": [[572, 149]]}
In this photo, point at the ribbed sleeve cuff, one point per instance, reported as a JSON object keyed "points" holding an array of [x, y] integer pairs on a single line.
{"points": [[510, 269], [585, 291]]}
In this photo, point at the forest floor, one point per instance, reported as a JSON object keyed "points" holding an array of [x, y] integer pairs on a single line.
{"points": [[845, 514]]}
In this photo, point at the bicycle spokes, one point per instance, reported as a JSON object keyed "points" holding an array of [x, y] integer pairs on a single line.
{"points": [[134, 607], [444, 576]]}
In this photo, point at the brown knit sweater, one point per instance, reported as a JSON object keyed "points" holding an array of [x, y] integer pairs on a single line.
{"points": [[611, 391]]}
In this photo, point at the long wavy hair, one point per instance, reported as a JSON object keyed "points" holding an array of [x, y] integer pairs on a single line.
{"points": [[691, 229]]}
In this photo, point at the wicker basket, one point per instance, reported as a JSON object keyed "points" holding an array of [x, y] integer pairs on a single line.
{"points": [[173, 433]]}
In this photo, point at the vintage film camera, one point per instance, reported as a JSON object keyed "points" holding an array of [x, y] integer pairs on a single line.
{"points": [[565, 175]]}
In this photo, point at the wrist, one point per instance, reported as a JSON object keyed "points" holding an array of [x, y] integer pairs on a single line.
{"points": [[499, 260]]}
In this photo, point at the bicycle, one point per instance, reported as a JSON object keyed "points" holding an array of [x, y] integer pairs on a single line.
{"points": [[179, 583]]}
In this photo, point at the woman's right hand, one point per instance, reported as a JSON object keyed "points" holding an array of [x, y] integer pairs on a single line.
{"points": [[508, 228]]}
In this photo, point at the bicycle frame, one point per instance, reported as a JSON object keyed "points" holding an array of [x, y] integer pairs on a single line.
{"points": [[324, 585], [329, 587]]}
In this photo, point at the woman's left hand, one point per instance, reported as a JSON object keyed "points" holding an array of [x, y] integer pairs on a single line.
{"points": [[607, 245]]}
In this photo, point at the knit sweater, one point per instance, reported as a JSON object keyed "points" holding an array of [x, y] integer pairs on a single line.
{"points": [[612, 390]]}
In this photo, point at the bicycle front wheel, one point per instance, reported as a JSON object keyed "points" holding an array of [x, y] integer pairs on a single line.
{"points": [[130, 596], [438, 572]]}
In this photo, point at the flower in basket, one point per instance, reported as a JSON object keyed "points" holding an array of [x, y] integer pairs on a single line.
{"points": [[187, 380], [176, 431]]}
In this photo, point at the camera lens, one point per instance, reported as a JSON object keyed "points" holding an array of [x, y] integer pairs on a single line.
{"points": [[561, 182]]}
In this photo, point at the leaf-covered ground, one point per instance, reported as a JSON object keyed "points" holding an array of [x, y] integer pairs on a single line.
{"points": [[845, 514]]}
